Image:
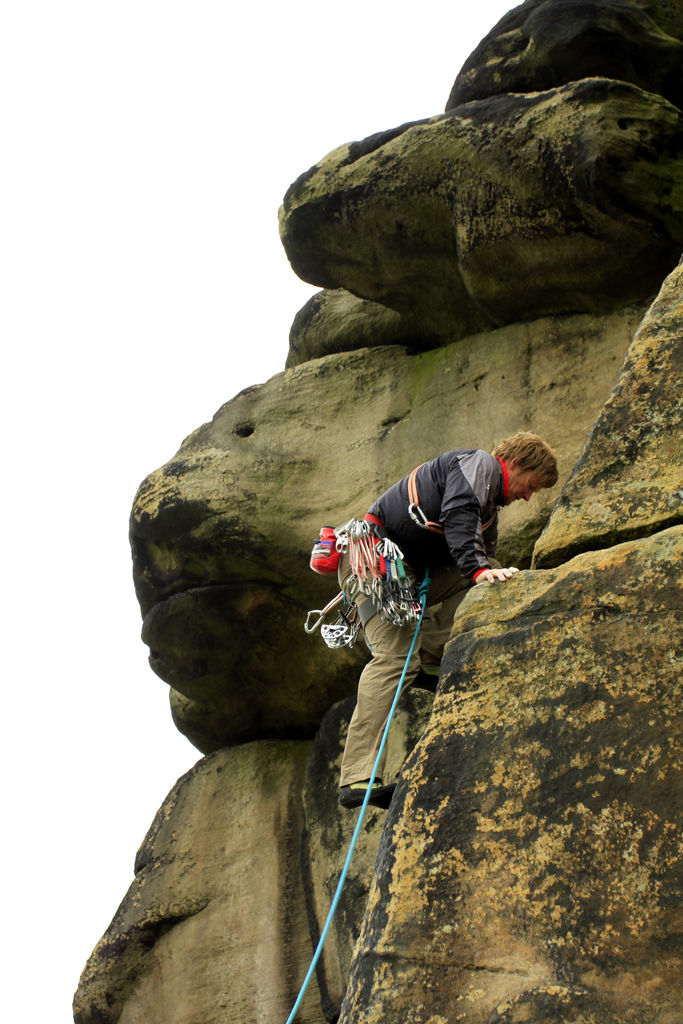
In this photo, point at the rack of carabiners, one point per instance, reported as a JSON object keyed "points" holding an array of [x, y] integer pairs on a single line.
{"points": [[377, 573]]}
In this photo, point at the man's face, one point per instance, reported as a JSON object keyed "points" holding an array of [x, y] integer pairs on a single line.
{"points": [[521, 484]]}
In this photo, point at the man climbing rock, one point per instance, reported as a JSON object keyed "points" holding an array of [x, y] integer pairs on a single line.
{"points": [[444, 518]]}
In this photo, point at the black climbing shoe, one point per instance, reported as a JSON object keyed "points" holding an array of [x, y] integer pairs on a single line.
{"points": [[382, 796], [429, 664], [354, 795]]}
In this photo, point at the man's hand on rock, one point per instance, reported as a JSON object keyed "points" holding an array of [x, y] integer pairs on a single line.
{"points": [[493, 575]]}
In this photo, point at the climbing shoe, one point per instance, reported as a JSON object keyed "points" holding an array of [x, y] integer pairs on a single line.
{"points": [[429, 665], [354, 795]]}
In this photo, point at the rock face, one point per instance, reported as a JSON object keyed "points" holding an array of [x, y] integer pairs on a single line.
{"points": [[215, 900], [221, 535], [629, 480], [531, 868], [545, 43], [429, 218], [336, 321], [231, 868], [393, 245]]}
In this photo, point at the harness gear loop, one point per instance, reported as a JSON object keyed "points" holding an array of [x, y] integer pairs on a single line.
{"points": [[414, 510], [377, 571]]}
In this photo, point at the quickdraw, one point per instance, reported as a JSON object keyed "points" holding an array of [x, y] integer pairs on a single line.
{"points": [[377, 573]]}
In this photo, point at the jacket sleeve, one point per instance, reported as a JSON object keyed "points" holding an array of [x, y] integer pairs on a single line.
{"points": [[468, 483]]}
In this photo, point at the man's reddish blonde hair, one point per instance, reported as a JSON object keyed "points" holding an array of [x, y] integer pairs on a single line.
{"points": [[532, 455]]}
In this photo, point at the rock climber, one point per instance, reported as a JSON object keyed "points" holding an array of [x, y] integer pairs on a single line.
{"points": [[444, 518]]}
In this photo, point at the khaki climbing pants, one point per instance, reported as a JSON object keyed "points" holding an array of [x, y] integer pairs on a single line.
{"points": [[382, 674]]}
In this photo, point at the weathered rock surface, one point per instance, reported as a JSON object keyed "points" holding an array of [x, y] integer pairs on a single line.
{"points": [[629, 480], [336, 321], [531, 868], [328, 836], [546, 43], [221, 535], [505, 209], [226, 878], [213, 928]]}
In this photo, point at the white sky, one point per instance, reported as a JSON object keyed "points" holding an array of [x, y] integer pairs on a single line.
{"points": [[146, 149]]}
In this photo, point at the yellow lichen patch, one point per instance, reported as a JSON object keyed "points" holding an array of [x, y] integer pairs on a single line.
{"points": [[615, 864], [555, 736]]}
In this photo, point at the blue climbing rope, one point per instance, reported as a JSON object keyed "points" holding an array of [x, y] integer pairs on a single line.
{"points": [[422, 596]]}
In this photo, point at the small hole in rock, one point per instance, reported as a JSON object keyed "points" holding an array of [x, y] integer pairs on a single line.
{"points": [[244, 429]]}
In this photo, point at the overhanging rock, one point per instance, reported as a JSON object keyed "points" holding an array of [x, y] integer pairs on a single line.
{"points": [[504, 209]]}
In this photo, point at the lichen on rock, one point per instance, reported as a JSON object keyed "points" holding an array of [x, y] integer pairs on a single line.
{"points": [[485, 270], [337, 321], [430, 219], [221, 534], [535, 840], [629, 479], [542, 44]]}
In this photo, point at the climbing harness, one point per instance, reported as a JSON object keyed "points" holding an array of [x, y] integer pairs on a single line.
{"points": [[378, 574], [417, 514], [422, 601], [414, 510]]}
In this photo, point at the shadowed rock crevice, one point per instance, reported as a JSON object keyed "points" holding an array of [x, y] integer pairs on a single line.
{"points": [[328, 831]]}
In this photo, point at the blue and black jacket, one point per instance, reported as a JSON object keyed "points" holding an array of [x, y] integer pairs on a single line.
{"points": [[460, 491]]}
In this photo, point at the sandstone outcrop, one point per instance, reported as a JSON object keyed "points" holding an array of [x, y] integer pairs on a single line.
{"points": [[232, 868], [505, 209], [531, 868], [629, 480], [539, 46], [545, 43], [214, 900], [221, 535], [336, 321]]}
